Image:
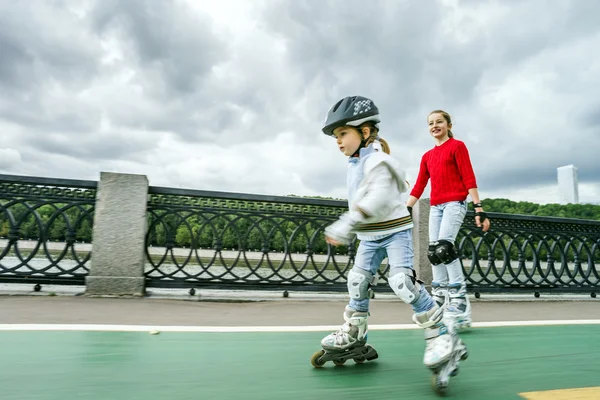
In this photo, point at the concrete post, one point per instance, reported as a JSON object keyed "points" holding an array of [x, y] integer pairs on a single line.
{"points": [[119, 234], [421, 241]]}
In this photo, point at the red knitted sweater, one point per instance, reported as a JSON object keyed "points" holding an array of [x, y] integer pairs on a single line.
{"points": [[450, 170]]}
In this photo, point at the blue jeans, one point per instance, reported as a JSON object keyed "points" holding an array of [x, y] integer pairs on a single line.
{"points": [[398, 247], [445, 221]]}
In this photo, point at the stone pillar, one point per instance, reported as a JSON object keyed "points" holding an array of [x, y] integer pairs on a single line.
{"points": [[421, 241], [119, 236]]}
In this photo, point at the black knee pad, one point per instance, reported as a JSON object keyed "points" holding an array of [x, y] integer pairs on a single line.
{"points": [[444, 250], [433, 257]]}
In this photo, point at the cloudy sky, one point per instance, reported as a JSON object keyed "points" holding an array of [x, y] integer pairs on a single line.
{"points": [[231, 95]]}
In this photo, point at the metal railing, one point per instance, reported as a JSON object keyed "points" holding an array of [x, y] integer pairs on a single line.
{"points": [[248, 241], [530, 253], [233, 240], [198, 238], [45, 229]]}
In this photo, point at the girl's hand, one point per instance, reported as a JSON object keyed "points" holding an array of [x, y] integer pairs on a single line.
{"points": [[479, 215]]}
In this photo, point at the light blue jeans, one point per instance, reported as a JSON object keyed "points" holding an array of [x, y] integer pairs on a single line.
{"points": [[398, 247], [445, 221]]}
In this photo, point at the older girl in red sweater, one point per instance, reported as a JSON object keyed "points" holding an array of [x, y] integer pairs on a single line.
{"points": [[448, 166]]}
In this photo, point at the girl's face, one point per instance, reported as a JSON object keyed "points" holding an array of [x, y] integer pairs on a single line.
{"points": [[438, 126], [348, 139]]}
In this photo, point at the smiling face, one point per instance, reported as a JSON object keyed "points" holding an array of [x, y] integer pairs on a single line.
{"points": [[348, 139], [439, 126]]}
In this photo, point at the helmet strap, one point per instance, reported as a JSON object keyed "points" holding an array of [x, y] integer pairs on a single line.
{"points": [[363, 144]]}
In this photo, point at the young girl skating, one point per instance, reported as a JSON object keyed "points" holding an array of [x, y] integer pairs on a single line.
{"points": [[448, 165]]}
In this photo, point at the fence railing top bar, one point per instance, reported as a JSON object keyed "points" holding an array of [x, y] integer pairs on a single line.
{"points": [[35, 180], [537, 218], [247, 197]]}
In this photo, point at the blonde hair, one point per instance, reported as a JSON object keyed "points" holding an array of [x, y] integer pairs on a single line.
{"points": [[374, 135], [446, 117]]}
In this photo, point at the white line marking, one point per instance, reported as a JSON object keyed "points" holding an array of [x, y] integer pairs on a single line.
{"points": [[314, 328]]}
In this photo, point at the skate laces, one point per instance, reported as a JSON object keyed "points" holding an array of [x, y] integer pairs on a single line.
{"points": [[346, 328], [346, 334]]}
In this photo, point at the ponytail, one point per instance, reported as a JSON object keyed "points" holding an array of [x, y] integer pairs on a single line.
{"points": [[374, 135], [384, 146]]}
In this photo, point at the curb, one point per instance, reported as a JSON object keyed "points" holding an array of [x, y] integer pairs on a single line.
{"points": [[263, 295]]}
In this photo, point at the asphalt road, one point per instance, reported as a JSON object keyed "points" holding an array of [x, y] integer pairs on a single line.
{"points": [[274, 312]]}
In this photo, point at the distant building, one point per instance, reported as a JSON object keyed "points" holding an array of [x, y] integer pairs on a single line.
{"points": [[568, 186]]}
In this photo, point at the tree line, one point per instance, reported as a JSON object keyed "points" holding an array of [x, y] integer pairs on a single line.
{"points": [[505, 206]]}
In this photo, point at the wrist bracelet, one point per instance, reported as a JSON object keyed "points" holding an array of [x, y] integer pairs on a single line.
{"points": [[477, 205]]}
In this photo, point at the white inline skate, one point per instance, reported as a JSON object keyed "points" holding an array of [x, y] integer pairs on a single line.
{"points": [[348, 342], [443, 348], [458, 309]]}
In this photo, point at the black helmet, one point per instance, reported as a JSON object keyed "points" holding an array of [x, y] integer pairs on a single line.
{"points": [[353, 111]]}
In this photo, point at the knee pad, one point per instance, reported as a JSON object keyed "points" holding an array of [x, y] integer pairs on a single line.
{"points": [[433, 258], [405, 285], [359, 281], [444, 250]]}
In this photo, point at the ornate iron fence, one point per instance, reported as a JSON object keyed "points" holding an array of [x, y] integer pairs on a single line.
{"points": [[198, 238], [232, 240], [248, 241], [529, 253], [45, 229]]}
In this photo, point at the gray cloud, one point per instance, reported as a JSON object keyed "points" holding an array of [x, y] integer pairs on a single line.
{"points": [[167, 40], [417, 63], [163, 88], [41, 43], [46, 52], [103, 146]]}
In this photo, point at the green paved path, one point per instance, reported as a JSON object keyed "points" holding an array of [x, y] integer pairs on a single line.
{"points": [[133, 365]]}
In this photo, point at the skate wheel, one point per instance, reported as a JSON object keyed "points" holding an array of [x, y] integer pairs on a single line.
{"points": [[359, 360], [464, 356], [316, 359], [437, 387], [339, 363]]}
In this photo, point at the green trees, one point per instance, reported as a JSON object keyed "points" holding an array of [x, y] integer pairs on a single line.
{"points": [[56, 221], [579, 211], [236, 230], [228, 229]]}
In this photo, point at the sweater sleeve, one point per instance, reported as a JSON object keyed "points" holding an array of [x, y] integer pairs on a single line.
{"points": [[422, 179], [463, 161]]}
